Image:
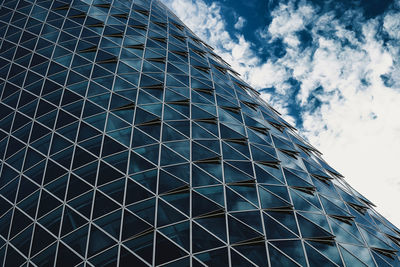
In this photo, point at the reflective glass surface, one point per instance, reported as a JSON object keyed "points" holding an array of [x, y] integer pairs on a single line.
{"points": [[126, 141]]}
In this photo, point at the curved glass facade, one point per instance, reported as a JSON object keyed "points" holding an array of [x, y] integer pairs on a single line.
{"points": [[126, 141]]}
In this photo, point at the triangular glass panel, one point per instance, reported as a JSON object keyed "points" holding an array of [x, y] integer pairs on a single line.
{"points": [[128, 232], [202, 240], [312, 231], [138, 164], [111, 223], [271, 201], [103, 205], [77, 240], [98, 241], [145, 210], [241, 233], [217, 256], [278, 258], [235, 202], [168, 183], [166, 250], [328, 249], [200, 177], [180, 200], [255, 252], [275, 230], [292, 248], [167, 215], [202, 206], [350, 259]]}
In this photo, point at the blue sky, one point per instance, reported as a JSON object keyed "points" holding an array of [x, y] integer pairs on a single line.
{"points": [[330, 67]]}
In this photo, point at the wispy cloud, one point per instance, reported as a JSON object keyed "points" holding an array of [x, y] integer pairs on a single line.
{"points": [[240, 23], [340, 85]]}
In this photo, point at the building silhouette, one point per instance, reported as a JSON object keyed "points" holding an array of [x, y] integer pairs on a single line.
{"points": [[125, 140]]}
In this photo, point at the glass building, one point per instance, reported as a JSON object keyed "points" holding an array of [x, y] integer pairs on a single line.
{"points": [[126, 141]]}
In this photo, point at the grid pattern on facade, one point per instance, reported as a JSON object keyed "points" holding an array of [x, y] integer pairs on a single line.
{"points": [[125, 140]]}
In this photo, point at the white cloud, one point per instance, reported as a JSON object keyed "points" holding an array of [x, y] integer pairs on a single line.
{"points": [[286, 22], [357, 125], [240, 23], [392, 25]]}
